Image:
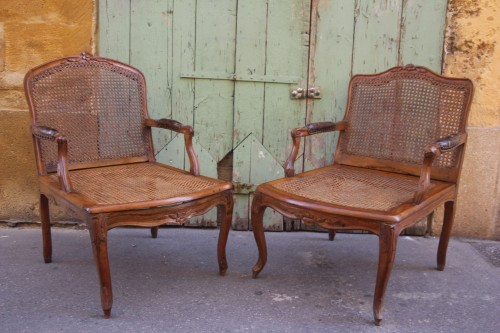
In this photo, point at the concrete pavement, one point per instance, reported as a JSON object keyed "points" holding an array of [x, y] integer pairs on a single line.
{"points": [[170, 284]]}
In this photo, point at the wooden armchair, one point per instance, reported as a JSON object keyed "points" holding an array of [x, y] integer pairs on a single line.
{"points": [[94, 154], [398, 157]]}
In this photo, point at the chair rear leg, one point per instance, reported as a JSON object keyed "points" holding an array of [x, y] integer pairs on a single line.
{"points": [[258, 232], [449, 214], [154, 232], [46, 234], [387, 252], [98, 235], [331, 234], [226, 211]]}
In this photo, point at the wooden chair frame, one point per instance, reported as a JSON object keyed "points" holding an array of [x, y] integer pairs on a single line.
{"points": [[386, 225], [100, 218]]}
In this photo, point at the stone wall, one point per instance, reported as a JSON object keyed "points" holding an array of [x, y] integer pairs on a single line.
{"points": [[472, 50], [32, 32]]}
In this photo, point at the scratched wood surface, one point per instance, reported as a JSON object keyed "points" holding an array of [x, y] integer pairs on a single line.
{"points": [[227, 67]]}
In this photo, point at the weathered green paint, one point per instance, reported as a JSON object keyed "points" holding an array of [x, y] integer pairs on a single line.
{"points": [[114, 29], [214, 52], [286, 54], [376, 35], [330, 69], [254, 164], [227, 67], [422, 34], [149, 43]]}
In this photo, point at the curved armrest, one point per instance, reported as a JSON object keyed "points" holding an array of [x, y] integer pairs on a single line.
{"points": [[443, 145], [188, 132], [309, 129], [47, 133]]}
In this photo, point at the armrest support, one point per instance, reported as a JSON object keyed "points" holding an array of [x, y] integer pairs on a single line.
{"points": [[443, 145], [47, 133], [309, 129], [188, 132]]}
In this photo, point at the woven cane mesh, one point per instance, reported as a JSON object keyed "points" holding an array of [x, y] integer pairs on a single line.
{"points": [[137, 182], [354, 188], [97, 106], [396, 115]]}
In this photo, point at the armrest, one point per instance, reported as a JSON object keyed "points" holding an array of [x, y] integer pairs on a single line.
{"points": [[309, 129], [47, 133], [443, 145], [188, 132]]}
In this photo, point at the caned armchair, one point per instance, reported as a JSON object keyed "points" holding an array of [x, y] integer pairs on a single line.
{"points": [[398, 157], [94, 155]]}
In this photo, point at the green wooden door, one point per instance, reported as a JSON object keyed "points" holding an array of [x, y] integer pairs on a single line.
{"points": [[227, 67]]}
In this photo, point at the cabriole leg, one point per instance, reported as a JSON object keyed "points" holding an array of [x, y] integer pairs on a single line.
{"points": [[46, 234], [226, 211], [258, 232], [98, 235], [387, 252], [449, 214]]}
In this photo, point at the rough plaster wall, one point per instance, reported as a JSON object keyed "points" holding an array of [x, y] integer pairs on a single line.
{"points": [[31, 33], [472, 50]]}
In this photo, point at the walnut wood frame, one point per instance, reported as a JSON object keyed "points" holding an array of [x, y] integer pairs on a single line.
{"points": [[99, 219], [386, 225]]}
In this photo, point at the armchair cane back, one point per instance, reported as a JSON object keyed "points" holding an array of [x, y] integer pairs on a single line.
{"points": [[94, 155], [398, 157]]}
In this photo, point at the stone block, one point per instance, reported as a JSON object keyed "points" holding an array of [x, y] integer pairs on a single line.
{"points": [[478, 193]]}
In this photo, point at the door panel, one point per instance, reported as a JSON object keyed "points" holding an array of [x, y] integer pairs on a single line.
{"points": [[227, 67]]}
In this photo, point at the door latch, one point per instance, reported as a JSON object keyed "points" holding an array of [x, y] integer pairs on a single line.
{"points": [[301, 93], [298, 93], [314, 92]]}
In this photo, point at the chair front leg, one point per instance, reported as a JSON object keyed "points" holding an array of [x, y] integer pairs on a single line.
{"points": [[226, 211], [387, 252], [258, 232], [46, 234], [98, 235], [154, 232], [449, 214]]}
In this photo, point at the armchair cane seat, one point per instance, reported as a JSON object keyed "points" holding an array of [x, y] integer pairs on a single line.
{"points": [[139, 185], [383, 195]]}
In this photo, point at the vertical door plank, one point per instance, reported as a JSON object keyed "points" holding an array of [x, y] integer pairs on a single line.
{"points": [[207, 168], [376, 39], [149, 45], [286, 55], [215, 52], [263, 168], [183, 60], [250, 59], [248, 97], [173, 153], [330, 69], [114, 29], [422, 34], [241, 175]]}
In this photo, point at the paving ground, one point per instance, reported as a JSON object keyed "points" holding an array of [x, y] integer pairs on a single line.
{"points": [[170, 284]]}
